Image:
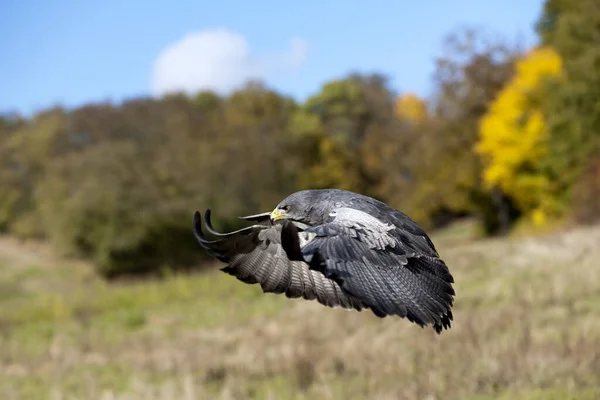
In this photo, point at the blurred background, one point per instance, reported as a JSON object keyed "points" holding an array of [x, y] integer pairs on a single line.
{"points": [[118, 120]]}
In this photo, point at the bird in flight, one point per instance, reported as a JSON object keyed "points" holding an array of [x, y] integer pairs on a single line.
{"points": [[343, 249]]}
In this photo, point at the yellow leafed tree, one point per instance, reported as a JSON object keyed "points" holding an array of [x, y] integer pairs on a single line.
{"points": [[410, 107], [512, 136]]}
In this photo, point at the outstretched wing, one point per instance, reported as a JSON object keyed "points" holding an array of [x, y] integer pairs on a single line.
{"points": [[255, 255], [369, 260]]}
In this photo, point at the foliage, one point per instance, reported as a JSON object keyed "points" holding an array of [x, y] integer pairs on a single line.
{"points": [[117, 184], [342, 119], [572, 107], [586, 199], [513, 137], [25, 151], [410, 107]]}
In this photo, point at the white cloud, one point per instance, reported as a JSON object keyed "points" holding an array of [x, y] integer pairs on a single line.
{"points": [[219, 60]]}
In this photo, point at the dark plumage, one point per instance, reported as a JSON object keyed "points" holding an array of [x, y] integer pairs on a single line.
{"points": [[342, 249]]}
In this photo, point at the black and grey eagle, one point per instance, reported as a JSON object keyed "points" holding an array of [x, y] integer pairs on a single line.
{"points": [[342, 249]]}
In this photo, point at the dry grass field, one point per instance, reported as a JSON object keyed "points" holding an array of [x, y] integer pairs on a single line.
{"points": [[527, 326]]}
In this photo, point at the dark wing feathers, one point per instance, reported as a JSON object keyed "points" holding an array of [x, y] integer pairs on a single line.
{"points": [[390, 280], [255, 255]]}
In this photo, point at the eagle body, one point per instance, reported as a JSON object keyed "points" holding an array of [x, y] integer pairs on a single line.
{"points": [[342, 249]]}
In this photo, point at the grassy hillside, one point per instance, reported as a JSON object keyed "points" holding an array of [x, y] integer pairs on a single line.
{"points": [[526, 327]]}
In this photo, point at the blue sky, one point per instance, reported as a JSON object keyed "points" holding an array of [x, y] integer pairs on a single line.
{"points": [[73, 52]]}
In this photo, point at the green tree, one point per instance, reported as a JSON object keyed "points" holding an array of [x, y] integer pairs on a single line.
{"points": [[24, 155], [121, 189], [338, 127], [256, 161], [572, 28]]}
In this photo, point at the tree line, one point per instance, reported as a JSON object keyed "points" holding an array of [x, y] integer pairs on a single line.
{"points": [[509, 136]]}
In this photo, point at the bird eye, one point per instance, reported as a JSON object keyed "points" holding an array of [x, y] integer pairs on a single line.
{"points": [[284, 208]]}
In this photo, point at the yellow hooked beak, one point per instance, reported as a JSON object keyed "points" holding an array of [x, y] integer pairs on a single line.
{"points": [[278, 214]]}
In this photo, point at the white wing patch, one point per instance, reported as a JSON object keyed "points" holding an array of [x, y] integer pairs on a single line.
{"points": [[305, 237], [377, 236]]}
